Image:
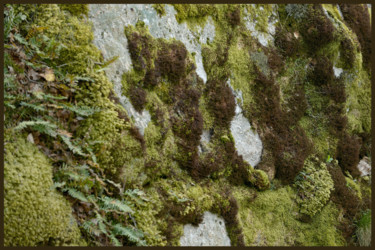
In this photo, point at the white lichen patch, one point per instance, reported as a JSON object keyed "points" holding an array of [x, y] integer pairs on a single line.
{"points": [[211, 232]]}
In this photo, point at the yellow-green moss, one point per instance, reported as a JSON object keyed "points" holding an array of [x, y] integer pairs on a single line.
{"points": [[355, 187], [314, 184], [34, 212], [76, 9], [160, 9], [271, 220]]}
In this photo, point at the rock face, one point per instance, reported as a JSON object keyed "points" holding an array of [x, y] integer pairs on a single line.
{"points": [[109, 21], [211, 232], [248, 143], [364, 166]]}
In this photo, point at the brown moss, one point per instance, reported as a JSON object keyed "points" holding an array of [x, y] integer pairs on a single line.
{"points": [[347, 153], [358, 19], [322, 73], [137, 97], [347, 53], [221, 102], [139, 49], [234, 17], [171, 61], [286, 43], [342, 196], [317, 30], [282, 137]]}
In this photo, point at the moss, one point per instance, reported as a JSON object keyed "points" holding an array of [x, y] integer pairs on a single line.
{"points": [[363, 231], [160, 9], [315, 185], [193, 13], [317, 30], [34, 214], [271, 220], [116, 145], [355, 187], [358, 19], [348, 154], [76, 9]]}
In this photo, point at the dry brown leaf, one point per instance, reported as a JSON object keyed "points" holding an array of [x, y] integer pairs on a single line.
{"points": [[33, 75], [64, 132], [48, 75]]}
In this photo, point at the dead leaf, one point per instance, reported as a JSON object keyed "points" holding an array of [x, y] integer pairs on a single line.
{"points": [[33, 75], [48, 75], [64, 132]]}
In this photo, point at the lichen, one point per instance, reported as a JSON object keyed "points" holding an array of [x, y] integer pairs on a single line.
{"points": [[34, 212]]}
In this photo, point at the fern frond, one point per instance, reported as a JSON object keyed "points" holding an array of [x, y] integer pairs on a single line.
{"points": [[39, 125], [76, 194], [114, 240], [82, 110], [58, 185], [32, 106], [113, 204], [91, 228], [133, 235], [137, 195], [73, 148]]}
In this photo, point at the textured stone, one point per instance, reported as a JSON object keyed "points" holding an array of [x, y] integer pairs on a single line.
{"points": [[247, 141], [364, 166], [211, 232]]}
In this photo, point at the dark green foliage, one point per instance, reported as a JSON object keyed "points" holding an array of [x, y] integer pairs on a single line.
{"points": [[348, 154], [316, 30], [137, 97], [358, 19]]}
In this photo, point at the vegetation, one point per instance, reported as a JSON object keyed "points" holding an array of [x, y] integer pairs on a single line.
{"points": [[75, 156]]}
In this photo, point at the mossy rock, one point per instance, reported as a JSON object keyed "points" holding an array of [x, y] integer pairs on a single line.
{"points": [[34, 212]]}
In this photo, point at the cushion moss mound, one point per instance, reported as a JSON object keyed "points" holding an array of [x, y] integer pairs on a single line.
{"points": [[35, 214]]}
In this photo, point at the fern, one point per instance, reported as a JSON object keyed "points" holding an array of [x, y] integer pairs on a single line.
{"points": [[76, 194], [82, 110], [137, 195], [73, 148], [39, 125], [114, 240], [91, 228], [113, 204], [133, 235], [32, 106]]}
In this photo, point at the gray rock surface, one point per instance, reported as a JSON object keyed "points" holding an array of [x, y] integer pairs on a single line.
{"points": [[247, 141], [211, 232], [364, 166]]}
